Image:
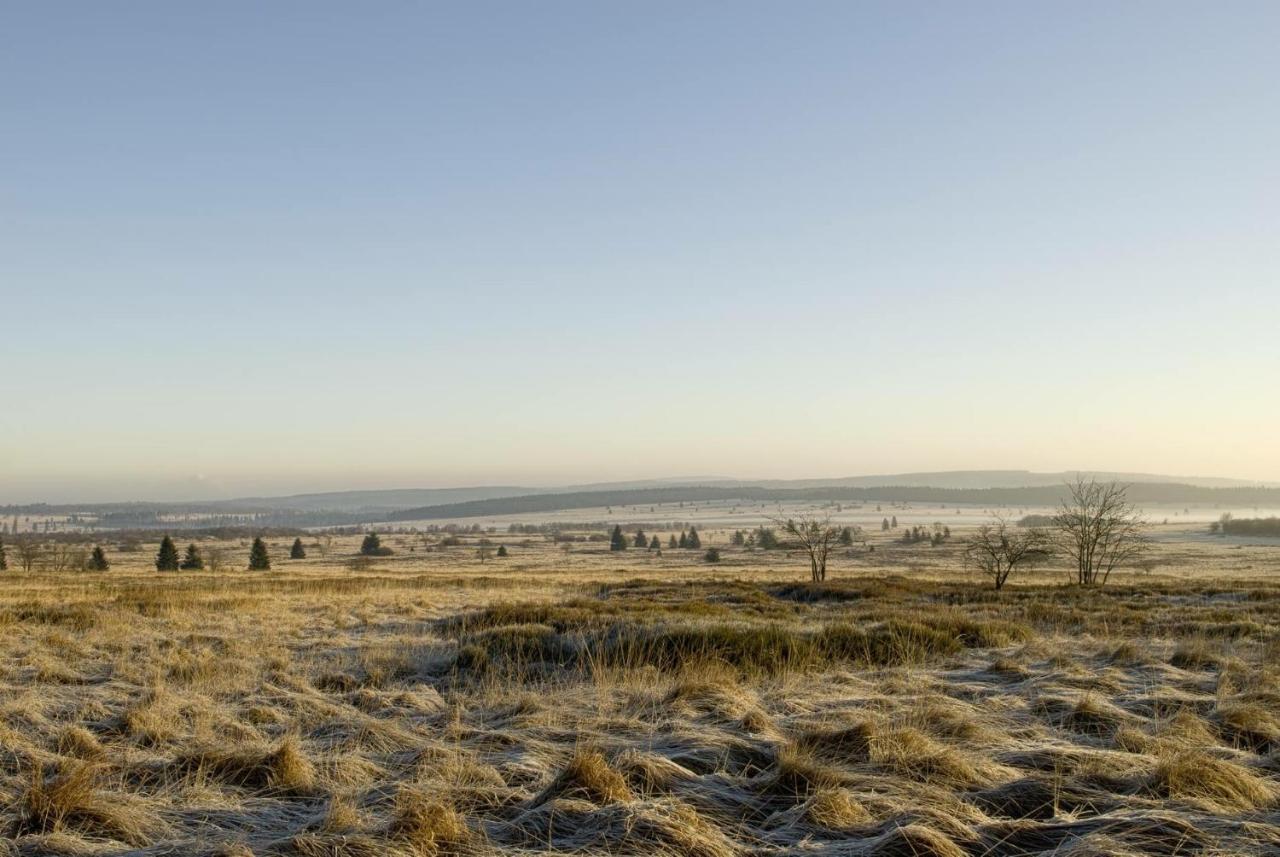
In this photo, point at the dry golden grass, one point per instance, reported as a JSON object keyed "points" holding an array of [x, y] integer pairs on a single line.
{"points": [[603, 705]]}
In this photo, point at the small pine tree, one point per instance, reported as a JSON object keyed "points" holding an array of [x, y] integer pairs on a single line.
{"points": [[684, 539], [739, 538], [192, 561], [502, 550], [297, 551], [895, 522], [694, 542], [846, 536], [4, 562], [672, 543], [98, 559], [259, 559], [371, 545], [617, 541], [167, 558], [655, 544], [884, 525], [641, 541]]}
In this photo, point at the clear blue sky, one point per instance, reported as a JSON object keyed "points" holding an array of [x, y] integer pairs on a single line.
{"points": [[291, 246]]}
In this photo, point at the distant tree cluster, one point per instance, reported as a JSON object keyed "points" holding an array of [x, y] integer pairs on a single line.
{"points": [[1231, 526], [935, 537], [761, 538]]}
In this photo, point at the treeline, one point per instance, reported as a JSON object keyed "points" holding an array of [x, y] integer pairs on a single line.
{"points": [[1230, 526], [1141, 493]]}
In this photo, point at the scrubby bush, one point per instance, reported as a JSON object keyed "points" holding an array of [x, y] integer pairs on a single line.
{"points": [[97, 560], [372, 545], [193, 561]]}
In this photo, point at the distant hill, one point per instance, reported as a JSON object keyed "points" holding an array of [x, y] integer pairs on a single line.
{"points": [[1141, 493], [959, 479], [374, 500], [985, 487]]}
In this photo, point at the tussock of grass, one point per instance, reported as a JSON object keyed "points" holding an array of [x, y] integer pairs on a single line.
{"points": [[664, 827], [913, 840], [588, 777], [849, 743], [649, 774], [284, 768], [1250, 725], [70, 799], [429, 826], [79, 742], [1196, 655], [913, 754], [1220, 785]]}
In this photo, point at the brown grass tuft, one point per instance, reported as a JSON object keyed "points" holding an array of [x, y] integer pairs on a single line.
{"points": [[70, 799], [1220, 785], [283, 769], [914, 840], [588, 777], [429, 826]]}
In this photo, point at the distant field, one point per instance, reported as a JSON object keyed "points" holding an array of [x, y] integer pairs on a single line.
{"points": [[590, 702]]}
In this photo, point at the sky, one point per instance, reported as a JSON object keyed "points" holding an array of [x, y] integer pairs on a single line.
{"points": [[268, 248]]}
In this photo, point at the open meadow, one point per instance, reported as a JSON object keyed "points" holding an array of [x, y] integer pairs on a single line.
{"points": [[570, 699]]}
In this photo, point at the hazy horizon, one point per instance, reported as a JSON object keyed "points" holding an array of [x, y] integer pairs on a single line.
{"points": [[198, 489], [277, 249]]}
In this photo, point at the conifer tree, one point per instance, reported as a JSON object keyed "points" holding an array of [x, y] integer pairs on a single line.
{"points": [[259, 559], [98, 559], [502, 550], [4, 562], [846, 536], [193, 561], [895, 522], [884, 525], [641, 542], [297, 551], [655, 544], [617, 541], [167, 558], [694, 541], [684, 539], [371, 546], [671, 543]]}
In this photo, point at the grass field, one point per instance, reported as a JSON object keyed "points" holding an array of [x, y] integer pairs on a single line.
{"points": [[590, 702]]}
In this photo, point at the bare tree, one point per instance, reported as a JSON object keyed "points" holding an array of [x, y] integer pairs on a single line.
{"points": [[28, 550], [816, 536], [1099, 529], [997, 549], [215, 558]]}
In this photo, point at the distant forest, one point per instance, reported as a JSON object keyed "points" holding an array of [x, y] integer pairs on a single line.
{"points": [[1246, 526], [260, 514], [1141, 493]]}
